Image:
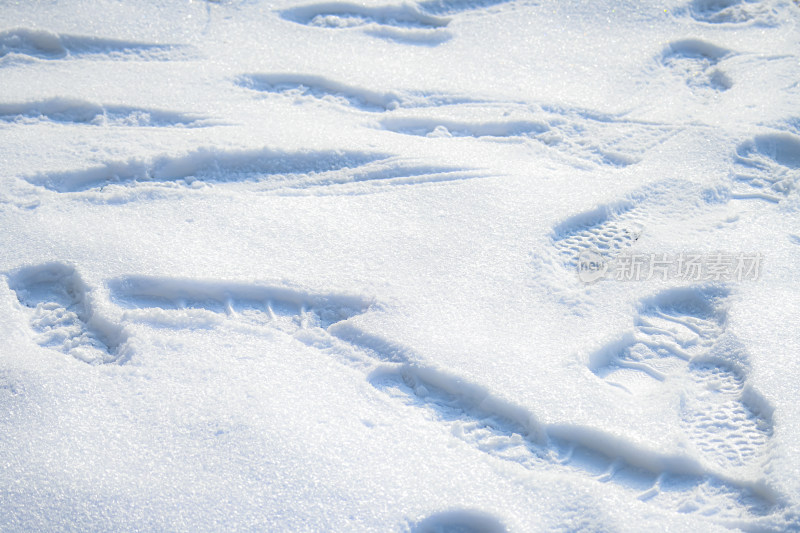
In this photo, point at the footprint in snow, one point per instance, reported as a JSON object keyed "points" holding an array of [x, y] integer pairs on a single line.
{"points": [[679, 341], [698, 63], [59, 306], [767, 13], [766, 167]]}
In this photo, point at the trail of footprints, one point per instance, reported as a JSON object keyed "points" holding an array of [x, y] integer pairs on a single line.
{"points": [[675, 336], [728, 431], [675, 343], [765, 168], [676, 339]]}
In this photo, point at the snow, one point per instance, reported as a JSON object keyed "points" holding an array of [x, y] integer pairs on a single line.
{"points": [[318, 266]]}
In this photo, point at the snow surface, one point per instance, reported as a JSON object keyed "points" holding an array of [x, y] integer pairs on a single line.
{"points": [[312, 266]]}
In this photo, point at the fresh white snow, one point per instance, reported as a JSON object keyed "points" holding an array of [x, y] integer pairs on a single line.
{"points": [[352, 266]]}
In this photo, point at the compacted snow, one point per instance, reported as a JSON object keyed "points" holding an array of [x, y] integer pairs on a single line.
{"points": [[454, 265]]}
